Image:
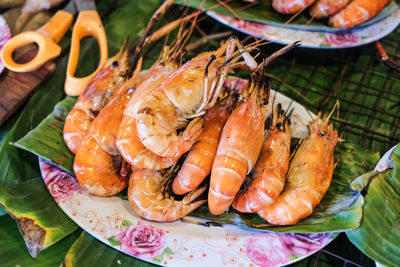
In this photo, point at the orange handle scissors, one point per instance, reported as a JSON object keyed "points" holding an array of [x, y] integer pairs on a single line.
{"points": [[88, 23]]}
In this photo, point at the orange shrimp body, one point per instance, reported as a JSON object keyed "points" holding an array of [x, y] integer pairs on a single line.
{"points": [[271, 168], [199, 161], [145, 193], [309, 176], [290, 6], [128, 142], [357, 12], [98, 163], [238, 150], [324, 8], [94, 98]]}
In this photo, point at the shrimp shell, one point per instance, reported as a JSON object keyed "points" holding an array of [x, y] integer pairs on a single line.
{"points": [[199, 161], [128, 142], [309, 176], [97, 163], [238, 150], [357, 12], [324, 8], [290, 6], [271, 168]]}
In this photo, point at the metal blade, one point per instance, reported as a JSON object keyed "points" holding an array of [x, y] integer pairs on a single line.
{"points": [[85, 5]]}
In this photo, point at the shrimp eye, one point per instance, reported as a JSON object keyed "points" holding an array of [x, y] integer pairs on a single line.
{"points": [[279, 125], [322, 134], [115, 64]]}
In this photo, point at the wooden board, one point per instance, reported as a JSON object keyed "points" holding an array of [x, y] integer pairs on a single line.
{"points": [[17, 87]]}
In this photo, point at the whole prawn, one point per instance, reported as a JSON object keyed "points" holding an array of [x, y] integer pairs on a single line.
{"points": [[324, 8], [128, 142], [183, 95], [290, 6], [239, 146], [199, 161], [357, 12], [271, 167], [97, 163], [94, 98], [309, 176], [150, 197]]}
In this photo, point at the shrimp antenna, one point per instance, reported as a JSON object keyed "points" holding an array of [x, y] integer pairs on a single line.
{"points": [[288, 108], [309, 113], [280, 52]]}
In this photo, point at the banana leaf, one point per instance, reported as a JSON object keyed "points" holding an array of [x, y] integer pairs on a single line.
{"points": [[13, 251], [263, 12], [47, 141], [378, 236], [40, 220], [88, 251], [339, 210]]}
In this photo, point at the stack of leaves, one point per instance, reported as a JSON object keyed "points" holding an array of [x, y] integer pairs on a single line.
{"points": [[379, 233]]}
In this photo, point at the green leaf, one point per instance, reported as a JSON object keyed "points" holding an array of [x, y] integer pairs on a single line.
{"points": [[114, 241], [339, 210], [125, 223], [158, 259], [88, 251], [378, 236], [168, 251], [13, 251], [47, 141], [41, 221], [293, 257]]}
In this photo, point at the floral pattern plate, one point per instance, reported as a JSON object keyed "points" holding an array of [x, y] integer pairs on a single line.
{"points": [[314, 39], [113, 221]]}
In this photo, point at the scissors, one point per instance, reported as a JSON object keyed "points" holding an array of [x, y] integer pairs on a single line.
{"points": [[88, 23]]}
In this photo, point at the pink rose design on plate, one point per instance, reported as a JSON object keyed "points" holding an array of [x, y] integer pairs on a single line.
{"points": [[266, 250], [341, 39], [144, 241], [302, 244], [60, 185]]}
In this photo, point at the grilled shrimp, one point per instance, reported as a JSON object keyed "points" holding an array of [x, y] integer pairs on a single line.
{"points": [[149, 195], [324, 8], [357, 12], [128, 142], [199, 161], [184, 94], [239, 147], [271, 167], [290, 6], [309, 176], [97, 163], [94, 98]]}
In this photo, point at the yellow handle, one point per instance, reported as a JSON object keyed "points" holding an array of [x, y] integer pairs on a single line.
{"points": [[46, 38], [88, 23]]}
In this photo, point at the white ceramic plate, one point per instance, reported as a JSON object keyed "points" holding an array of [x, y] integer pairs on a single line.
{"points": [[315, 38], [113, 222]]}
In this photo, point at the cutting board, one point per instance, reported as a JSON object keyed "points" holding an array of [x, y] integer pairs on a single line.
{"points": [[17, 87]]}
